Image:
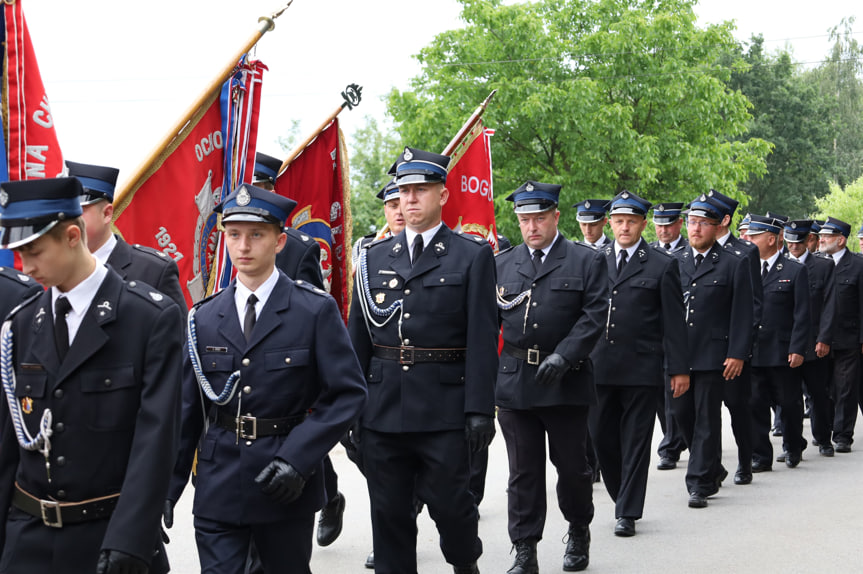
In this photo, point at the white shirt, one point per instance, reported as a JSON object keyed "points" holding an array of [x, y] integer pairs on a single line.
{"points": [[838, 255], [80, 297], [770, 262], [723, 240], [629, 251], [802, 258], [428, 235], [545, 249], [103, 253], [241, 294], [673, 244]]}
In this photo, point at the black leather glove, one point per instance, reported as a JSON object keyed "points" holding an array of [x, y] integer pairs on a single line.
{"points": [[479, 430], [168, 519], [351, 442], [281, 481], [552, 369], [116, 562]]}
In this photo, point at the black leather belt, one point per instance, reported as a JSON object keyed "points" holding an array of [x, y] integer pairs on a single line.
{"points": [[251, 428], [532, 356], [55, 514], [411, 355]]}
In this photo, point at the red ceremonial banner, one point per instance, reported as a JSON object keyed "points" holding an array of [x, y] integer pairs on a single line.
{"points": [[171, 209], [318, 181], [32, 149], [470, 207]]}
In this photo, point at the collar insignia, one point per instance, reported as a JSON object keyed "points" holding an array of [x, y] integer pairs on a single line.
{"points": [[779, 267], [439, 247], [397, 247]]}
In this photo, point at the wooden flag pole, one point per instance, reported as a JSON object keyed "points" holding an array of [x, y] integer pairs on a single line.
{"points": [[265, 24], [477, 114], [352, 96]]}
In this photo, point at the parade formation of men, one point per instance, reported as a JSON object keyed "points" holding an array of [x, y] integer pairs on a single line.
{"points": [[114, 394]]}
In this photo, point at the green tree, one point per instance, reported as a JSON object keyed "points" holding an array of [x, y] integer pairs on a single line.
{"points": [[788, 112], [595, 95], [843, 203], [372, 153]]}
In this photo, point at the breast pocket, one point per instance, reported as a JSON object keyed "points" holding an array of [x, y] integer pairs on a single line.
{"points": [[444, 292], [566, 291], [112, 397]]}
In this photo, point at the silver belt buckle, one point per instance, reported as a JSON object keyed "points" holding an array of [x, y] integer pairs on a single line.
{"points": [[533, 356], [406, 355], [241, 427], [49, 508]]}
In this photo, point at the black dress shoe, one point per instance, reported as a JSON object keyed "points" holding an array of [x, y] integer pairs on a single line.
{"points": [[792, 459], [624, 527], [697, 501], [525, 558], [826, 450], [666, 464], [576, 557], [781, 457], [330, 521], [742, 477], [370, 560], [466, 569], [758, 466], [723, 474], [843, 447]]}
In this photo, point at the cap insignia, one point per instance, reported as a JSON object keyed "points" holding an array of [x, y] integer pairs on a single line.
{"points": [[529, 187], [703, 197], [661, 207], [243, 198], [793, 225], [408, 155], [625, 195], [587, 205]]}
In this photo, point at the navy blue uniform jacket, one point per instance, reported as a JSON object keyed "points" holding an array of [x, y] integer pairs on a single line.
{"points": [[822, 301], [298, 361], [115, 400], [301, 258], [645, 327], [449, 302], [785, 318], [848, 333], [150, 266], [565, 315], [719, 307]]}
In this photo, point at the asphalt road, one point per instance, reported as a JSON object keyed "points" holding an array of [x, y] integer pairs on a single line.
{"points": [[808, 519]]}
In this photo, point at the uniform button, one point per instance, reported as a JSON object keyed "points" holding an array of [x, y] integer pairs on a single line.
{"points": [[691, 297], [611, 342], [287, 360], [533, 284], [61, 494], [107, 382], [406, 368], [247, 389], [614, 308], [27, 389], [58, 394], [407, 341], [533, 304], [612, 325], [59, 427], [760, 326], [442, 280], [246, 362], [407, 291], [536, 325], [132, 284], [693, 283], [248, 443], [614, 292], [691, 325], [61, 460], [407, 315]]}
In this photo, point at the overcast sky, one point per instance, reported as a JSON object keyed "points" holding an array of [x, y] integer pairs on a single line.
{"points": [[120, 74]]}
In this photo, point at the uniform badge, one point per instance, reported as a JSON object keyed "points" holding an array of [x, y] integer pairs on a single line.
{"points": [[243, 197], [27, 405], [779, 267], [703, 198], [4, 198], [710, 194], [641, 253], [156, 296], [408, 155], [529, 187], [587, 205], [24, 278], [661, 207], [716, 255], [304, 237], [40, 315], [397, 247], [394, 283], [501, 291], [625, 195], [380, 298], [793, 225], [439, 247], [106, 305]]}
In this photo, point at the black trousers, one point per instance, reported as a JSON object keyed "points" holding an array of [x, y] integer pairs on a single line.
{"points": [[33, 548], [331, 479], [673, 442], [699, 413], [621, 425], [736, 394], [478, 470], [782, 386], [284, 547], [816, 377], [431, 466], [846, 391], [525, 432]]}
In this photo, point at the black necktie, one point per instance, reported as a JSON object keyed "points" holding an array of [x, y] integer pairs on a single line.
{"points": [[698, 259], [667, 247], [61, 329], [537, 261], [417, 249], [622, 263], [764, 268], [251, 316]]}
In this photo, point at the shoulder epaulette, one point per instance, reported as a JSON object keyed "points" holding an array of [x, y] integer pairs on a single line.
{"points": [[507, 250], [380, 241], [582, 245], [661, 250], [160, 255], [299, 235], [151, 294], [309, 287], [13, 274], [21, 305], [475, 239], [208, 298]]}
